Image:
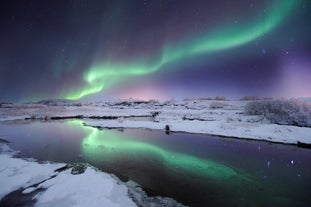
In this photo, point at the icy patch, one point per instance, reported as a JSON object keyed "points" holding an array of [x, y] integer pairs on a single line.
{"points": [[193, 116], [54, 187], [29, 190], [17, 173], [5, 149], [92, 188], [142, 199]]}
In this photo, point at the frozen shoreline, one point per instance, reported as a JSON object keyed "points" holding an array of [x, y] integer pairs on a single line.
{"points": [[56, 184], [267, 132], [223, 118]]}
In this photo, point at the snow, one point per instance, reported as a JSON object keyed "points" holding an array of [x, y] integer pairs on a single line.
{"points": [[224, 118], [17, 173], [95, 188], [55, 187], [141, 198], [91, 188], [268, 132]]}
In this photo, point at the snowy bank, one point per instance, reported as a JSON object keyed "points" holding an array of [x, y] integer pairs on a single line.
{"points": [[267, 132], [51, 184], [224, 118]]}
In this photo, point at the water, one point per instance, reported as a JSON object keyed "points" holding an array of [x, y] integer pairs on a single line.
{"points": [[196, 170]]}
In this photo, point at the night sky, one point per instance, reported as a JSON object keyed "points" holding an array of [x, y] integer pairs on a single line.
{"points": [[157, 49]]}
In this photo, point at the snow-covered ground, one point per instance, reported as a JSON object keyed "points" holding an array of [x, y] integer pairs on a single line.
{"points": [[52, 184], [225, 118], [46, 185]]}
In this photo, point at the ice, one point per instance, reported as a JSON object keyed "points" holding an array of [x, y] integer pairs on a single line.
{"points": [[141, 199], [17, 173], [225, 118], [29, 190], [91, 188], [53, 187]]}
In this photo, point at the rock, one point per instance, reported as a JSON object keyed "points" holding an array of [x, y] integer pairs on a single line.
{"points": [[167, 129]]}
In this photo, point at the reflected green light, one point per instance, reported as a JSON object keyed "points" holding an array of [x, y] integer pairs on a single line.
{"points": [[103, 75], [108, 144]]}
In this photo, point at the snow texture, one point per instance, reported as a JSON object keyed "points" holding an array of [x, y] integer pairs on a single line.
{"points": [[91, 188], [224, 118], [17, 173], [284, 112], [55, 187]]}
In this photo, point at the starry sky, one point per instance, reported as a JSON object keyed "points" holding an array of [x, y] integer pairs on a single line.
{"points": [[154, 49]]}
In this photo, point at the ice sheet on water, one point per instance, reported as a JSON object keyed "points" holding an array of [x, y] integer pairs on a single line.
{"points": [[62, 188], [143, 200], [91, 188], [16, 173]]}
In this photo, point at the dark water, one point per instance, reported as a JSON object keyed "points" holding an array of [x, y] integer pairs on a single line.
{"points": [[193, 169]]}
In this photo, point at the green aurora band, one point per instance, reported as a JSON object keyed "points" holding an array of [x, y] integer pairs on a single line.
{"points": [[108, 145], [104, 75]]}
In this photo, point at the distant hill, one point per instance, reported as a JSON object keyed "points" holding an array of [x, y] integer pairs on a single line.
{"points": [[305, 99], [55, 102]]}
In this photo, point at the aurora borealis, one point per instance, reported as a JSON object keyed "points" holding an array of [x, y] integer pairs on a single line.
{"points": [[154, 49], [109, 146]]}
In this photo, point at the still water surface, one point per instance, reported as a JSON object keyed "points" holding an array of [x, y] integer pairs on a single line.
{"points": [[196, 170]]}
